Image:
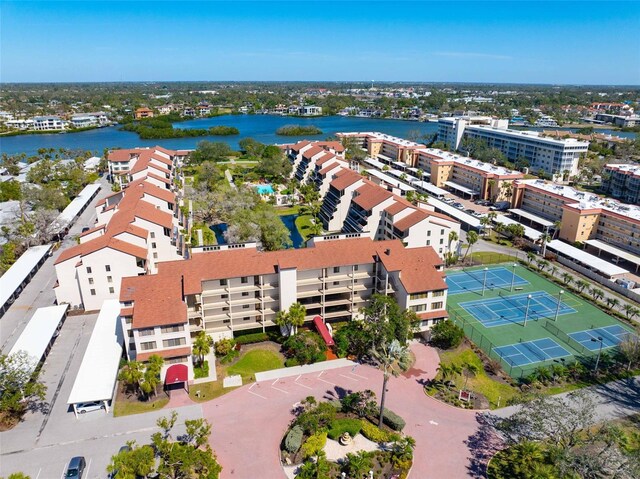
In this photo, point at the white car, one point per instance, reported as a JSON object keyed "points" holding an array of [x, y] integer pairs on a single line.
{"points": [[86, 407]]}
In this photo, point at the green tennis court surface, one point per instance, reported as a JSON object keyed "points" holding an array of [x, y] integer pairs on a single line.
{"points": [[495, 321]]}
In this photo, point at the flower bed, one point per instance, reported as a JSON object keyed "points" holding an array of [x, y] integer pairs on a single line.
{"points": [[319, 428]]}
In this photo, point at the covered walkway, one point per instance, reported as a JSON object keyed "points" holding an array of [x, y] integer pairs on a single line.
{"points": [[462, 189], [588, 260], [531, 217], [12, 282]]}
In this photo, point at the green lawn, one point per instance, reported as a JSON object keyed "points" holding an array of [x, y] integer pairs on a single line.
{"points": [[255, 361], [125, 408], [493, 390], [292, 210], [304, 225], [207, 391]]}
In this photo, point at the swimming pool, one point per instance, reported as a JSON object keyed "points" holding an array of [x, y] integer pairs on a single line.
{"points": [[264, 189]]}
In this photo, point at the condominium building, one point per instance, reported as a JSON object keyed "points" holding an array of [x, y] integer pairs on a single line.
{"points": [[623, 182], [583, 216], [136, 228], [143, 112], [356, 205], [48, 123], [553, 156], [305, 154], [157, 165], [384, 147], [84, 120], [230, 290], [465, 175]]}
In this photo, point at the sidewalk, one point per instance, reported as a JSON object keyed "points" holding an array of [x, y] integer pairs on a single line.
{"points": [[305, 369]]}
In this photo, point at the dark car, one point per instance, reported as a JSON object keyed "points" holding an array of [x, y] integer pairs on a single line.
{"points": [[86, 228], [75, 470]]}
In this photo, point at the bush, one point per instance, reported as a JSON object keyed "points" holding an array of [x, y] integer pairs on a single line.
{"points": [[446, 335], [340, 426], [201, 371], [392, 420], [314, 444], [252, 338], [362, 403], [306, 347], [290, 362], [375, 434], [224, 346], [316, 418], [293, 441]]}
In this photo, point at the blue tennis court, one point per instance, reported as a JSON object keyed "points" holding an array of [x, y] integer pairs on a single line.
{"points": [[611, 336], [469, 281], [503, 310], [529, 352]]}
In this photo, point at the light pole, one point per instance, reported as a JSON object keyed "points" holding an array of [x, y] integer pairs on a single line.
{"points": [[513, 277], [560, 293], [595, 340], [526, 314], [484, 283]]}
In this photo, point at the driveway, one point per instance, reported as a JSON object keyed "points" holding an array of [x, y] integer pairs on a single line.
{"points": [[249, 422]]}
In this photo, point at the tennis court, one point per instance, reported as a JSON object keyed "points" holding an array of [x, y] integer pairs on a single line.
{"points": [[611, 336], [468, 281], [529, 352], [502, 310]]}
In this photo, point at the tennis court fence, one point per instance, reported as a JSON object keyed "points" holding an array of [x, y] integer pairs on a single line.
{"points": [[461, 319], [557, 332]]}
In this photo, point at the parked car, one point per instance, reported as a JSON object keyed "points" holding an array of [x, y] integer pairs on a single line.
{"points": [[477, 214], [76, 466], [460, 206], [470, 211], [86, 228], [448, 200], [86, 407]]}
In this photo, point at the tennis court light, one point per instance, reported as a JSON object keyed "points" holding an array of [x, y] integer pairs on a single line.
{"points": [[526, 314], [560, 293]]}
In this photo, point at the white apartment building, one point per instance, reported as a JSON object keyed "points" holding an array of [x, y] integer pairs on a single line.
{"points": [[304, 154], [84, 120], [156, 164], [48, 123], [226, 291], [553, 156]]}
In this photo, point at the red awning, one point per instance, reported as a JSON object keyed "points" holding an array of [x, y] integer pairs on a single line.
{"points": [[178, 373], [322, 329]]}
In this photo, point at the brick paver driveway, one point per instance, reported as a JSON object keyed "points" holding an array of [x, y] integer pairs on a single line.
{"points": [[249, 422]]}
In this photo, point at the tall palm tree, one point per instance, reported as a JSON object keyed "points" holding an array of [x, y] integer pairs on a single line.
{"points": [[472, 238], [453, 237], [629, 310], [131, 374], [567, 278], [544, 239], [614, 303], [392, 359], [201, 346], [581, 284]]}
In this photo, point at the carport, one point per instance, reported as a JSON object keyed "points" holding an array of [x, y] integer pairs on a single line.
{"points": [[176, 374], [462, 189], [617, 252], [98, 372]]}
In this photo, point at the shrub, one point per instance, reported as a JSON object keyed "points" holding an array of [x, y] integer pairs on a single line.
{"points": [[392, 420], [340, 426], [446, 335], [314, 444], [375, 434], [293, 441], [307, 347], [319, 417], [290, 362], [202, 371], [252, 338], [224, 346], [362, 403]]}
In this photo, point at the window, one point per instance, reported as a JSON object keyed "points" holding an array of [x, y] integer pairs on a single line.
{"points": [[419, 295], [153, 245], [155, 255], [246, 306], [111, 290], [418, 308], [109, 279], [437, 305], [169, 343], [225, 308], [128, 320], [428, 233], [442, 231], [441, 240], [355, 268], [93, 292], [181, 359], [247, 318], [153, 235], [90, 280], [336, 269], [224, 296], [245, 293], [146, 332], [172, 329], [107, 268], [88, 269], [148, 345], [438, 293], [336, 283], [244, 280], [226, 321], [223, 282]]}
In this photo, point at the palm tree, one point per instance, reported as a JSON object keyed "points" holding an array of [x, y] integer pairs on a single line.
{"points": [[358, 464], [614, 303], [484, 221], [556, 228], [629, 311], [131, 374], [472, 238], [567, 278], [554, 270], [544, 239], [469, 369], [392, 359], [291, 319], [201, 346], [581, 284], [453, 237], [530, 257], [542, 374]]}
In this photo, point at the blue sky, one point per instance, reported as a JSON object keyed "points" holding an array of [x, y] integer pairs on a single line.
{"points": [[522, 42]]}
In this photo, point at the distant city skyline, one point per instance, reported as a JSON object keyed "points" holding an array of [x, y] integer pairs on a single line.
{"points": [[579, 43]]}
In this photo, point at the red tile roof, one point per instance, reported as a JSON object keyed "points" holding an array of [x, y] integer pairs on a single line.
{"points": [[416, 266], [157, 300], [96, 244], [411, 220], [324, 158], [433, 314], [370, 195], [345, 178], [329, 167], [165, 353]]}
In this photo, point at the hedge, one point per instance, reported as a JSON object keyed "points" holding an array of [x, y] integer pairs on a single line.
{"points": [[375, 434], [252, 338], [392, 420], [293, 441], [340, 426]]}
